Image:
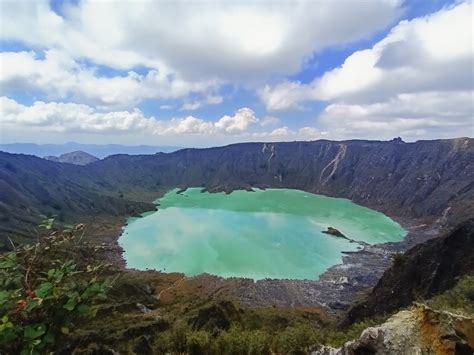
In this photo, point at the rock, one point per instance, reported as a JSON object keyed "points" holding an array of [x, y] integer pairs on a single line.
{"points": [[397, 140], [335, 232], [95, 349], [418, 330], [148, 289], [142, 308]]}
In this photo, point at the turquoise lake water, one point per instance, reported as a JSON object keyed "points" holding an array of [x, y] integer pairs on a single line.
{"points": [[274, 233]]}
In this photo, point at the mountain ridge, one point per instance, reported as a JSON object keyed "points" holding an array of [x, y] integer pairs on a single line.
{"points": [[98, 150], [299, 165], [425, 180]]}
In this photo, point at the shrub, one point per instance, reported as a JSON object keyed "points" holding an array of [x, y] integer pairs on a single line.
{"points": [[295, 340], [162, 343], [459, 299], [399, 259], [197, 342], [178, 337], [44, 291], [259, 343], [237, 341], [232, 342]]}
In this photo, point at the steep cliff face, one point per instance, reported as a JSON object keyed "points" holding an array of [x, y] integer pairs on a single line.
{"points": [[422, 179], [423, 271], [418, 330]]}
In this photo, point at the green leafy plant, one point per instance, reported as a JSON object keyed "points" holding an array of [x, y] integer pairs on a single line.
{"points": [[44, 289]]}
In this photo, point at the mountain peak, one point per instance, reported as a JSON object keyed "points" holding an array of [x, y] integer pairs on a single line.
{"points": [[78, 158]]}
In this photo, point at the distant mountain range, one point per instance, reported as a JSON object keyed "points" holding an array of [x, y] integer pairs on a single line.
{"points": [[77, 158], [97, 150]]}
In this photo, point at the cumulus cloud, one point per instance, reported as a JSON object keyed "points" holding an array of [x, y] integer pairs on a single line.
{"points": [[417, 80], [433, 53], [269, 121], [412, 116], [187, 125], [67, 117], [285, 96], [286, 134], [70, 117], [281, 132], [60, 77], [238, 123], [310, 133], [219, 39], [208, 100]]}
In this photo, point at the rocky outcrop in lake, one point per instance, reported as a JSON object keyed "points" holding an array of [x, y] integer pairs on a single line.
{"points": [[335, 232]]}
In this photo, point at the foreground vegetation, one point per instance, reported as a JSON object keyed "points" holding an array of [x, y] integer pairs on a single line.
{"points": [[44, 290], [294, 339], [459, 299], [58, 295]]}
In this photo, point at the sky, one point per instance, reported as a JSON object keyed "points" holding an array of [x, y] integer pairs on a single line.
{"points": [[204, 73]]}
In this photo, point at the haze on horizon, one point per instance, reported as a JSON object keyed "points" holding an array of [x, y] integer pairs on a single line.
{"points": [[196, 73]]}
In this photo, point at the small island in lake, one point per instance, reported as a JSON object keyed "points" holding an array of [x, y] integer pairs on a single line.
{"points": [[337, 233]]}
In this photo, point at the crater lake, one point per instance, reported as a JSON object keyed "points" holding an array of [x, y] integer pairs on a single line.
{"points": [[273, 233]]}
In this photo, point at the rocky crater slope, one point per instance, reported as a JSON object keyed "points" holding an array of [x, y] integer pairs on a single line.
{"points": [[423, 271], [417, 330], [426, 185], [424, 181]]}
